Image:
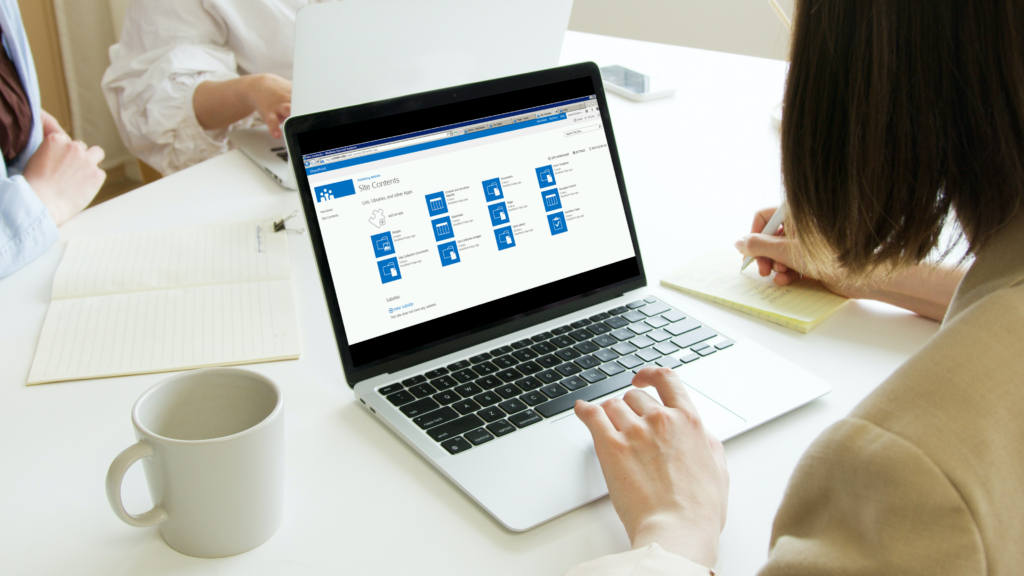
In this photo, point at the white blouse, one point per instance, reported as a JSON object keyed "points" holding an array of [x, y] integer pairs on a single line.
{"points": [[168, 47]]}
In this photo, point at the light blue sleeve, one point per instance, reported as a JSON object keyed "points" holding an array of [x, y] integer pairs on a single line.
{"points": [[26, 228]]}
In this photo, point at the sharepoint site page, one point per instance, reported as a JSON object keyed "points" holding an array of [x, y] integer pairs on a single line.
{"points": [[418, 236]]}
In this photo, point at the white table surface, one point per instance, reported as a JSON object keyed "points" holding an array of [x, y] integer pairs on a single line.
{"points": [[359, 501]]}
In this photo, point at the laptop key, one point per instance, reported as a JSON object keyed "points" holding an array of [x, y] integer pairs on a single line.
{"points": [[689, 358], [682, 327], [656, 322], [414, 380], [446, 397], [616, 322], [562, 330], [592, 376], [443, 383], [399, 398], [534, 398], [669, 362], [529, 383], [543, 348], [626, 361], [455, 427], [554, 391], [666, 348], [600, 317], [465, 406], [458, 365], [436, 418], [606, 355], [549, 376], [456, 445], [579, 324], [465, 375], [623, 334], [618, 310], [509, 375], [418, 407], [525, 354], [549, 361], [655, 309], [673, 315], [487, 398], [568, 369], [691, 338], [659, 335], [599, 328], [491, 414], [587, 362], [522, 344], [488, 382], [389, 389], [513, 405], [484, 368], [507, 391], [640, 328], [724, 344], [562, 341], [707, 351], [530, 367], [500, 428], [505, 361], [467, 390], [587, 347], [436, 373], [573, 383], [633, 316], [524, 419], [650, 299], [642, 342], [635, 305], [611, 369], [501, 351], [581, 335], [648, 355], [588, 393], [542, 336], [604, 341], [478, 436], [624, 348], [479, 358], [422, 390], [567, 354]]}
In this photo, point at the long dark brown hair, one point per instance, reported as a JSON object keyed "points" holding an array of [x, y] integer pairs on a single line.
{"points": [[898, 115]]}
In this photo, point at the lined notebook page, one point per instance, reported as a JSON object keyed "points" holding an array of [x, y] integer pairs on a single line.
{"points": [[716, 277], [172, 300], [204, 255]]}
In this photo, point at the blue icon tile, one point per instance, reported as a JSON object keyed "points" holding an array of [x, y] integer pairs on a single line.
{"points": [[436, 204], [442, 228], [449, 253], [492, 190], [334, 191], [389, 271], [499, 214], [546, 176], [556, 222], [383, 245], [504, 237], [552, 201]]}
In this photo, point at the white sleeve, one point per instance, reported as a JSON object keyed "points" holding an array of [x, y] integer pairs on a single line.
{"points": [[167, 49], [650, 560]]}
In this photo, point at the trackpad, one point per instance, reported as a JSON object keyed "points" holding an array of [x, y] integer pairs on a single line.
{"points": [[719, 421]]}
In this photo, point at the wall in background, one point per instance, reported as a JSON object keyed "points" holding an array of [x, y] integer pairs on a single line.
{"points": [[747, 27], [41, 29]]}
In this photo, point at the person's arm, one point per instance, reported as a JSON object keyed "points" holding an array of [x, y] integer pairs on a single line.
{"points": [[926, 289], [218, 105]]}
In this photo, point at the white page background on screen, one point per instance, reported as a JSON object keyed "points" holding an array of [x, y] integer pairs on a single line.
{"points": [[596, 230]]}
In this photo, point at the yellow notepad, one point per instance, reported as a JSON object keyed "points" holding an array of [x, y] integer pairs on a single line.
{"points": [[716, 277], [168, 300]]}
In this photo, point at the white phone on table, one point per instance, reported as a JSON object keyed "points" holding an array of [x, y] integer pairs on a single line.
{"points": [[634, 85]]}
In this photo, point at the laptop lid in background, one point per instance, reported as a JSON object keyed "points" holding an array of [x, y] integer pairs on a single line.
{"points": [[358, 51], [446, 219]]}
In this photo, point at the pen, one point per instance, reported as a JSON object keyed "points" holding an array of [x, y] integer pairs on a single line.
{"points": [[770, 228]]}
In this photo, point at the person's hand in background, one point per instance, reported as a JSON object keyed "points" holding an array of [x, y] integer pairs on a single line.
{"points": [[65, 174], [666, 475], [219, 104], [50, 124], [271, 96]]}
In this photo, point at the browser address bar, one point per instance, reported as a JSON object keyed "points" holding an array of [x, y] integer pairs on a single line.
{"points": [[419, 140]]}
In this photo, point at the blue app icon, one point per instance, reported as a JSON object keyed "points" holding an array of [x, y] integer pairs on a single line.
{"points": [[492, 190], [334, 191], [499, 214], [383, 245], [546, 176], [504, 237], [449, 253], [436, 204], [556, 222], [389, 271], [552, 201], [442, 228]]}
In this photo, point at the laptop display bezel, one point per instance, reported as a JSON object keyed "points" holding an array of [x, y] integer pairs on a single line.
{"points": [[299, 125]]}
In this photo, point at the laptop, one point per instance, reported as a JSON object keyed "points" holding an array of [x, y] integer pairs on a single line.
{"points": [[481, 268], [267, 152]]}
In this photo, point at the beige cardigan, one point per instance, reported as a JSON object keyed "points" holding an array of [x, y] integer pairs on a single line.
{"points": [[926, 475]]}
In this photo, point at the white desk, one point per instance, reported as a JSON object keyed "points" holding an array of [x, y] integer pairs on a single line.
{"points": [[358, 500]]}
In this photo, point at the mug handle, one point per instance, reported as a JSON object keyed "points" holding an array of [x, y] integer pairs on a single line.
{"points": [[115, 476]]}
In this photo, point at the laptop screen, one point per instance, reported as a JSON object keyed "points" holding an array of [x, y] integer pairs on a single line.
{"points": [[481, 211]]}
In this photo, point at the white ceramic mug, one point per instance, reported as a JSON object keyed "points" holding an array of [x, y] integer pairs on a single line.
{"points": [[212, 446]]}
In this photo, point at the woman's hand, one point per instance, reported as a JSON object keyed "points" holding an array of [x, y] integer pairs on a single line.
{"points": [[219, 104], [666, 475], [271, 96], [65, 174]]}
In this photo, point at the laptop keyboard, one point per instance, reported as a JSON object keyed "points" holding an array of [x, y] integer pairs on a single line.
{"points": [[490, 395]]}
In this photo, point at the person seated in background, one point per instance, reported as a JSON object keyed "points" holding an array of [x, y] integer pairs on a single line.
{"points": [[47, 177], [186, 71], [900, 115]]}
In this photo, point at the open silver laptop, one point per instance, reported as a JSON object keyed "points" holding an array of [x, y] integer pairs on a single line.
{"points": [[481, 268]]}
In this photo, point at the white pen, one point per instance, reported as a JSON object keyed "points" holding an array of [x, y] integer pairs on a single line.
{"points": [[771, 228]]}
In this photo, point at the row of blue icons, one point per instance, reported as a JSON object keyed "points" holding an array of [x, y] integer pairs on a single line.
{"points": [[499, 214], [448, 251], [552, 201]]}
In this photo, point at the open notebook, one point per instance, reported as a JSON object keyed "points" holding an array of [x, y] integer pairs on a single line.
{"points": [[168, 300], [716, 277]]}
